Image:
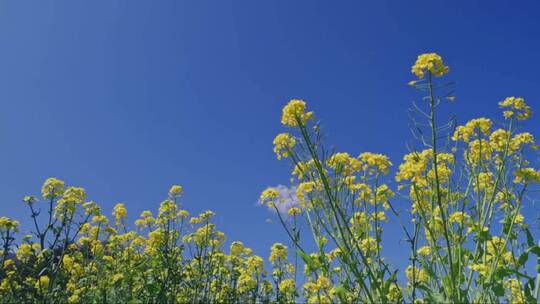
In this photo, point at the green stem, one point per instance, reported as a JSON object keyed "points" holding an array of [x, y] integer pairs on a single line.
{"points": [[437, 181]]}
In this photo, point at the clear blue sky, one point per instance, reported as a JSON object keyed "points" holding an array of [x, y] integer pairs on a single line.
{"points": [[126, 98]]}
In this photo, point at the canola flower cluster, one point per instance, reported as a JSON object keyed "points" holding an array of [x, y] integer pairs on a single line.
{"points": [[467, 239], [167, 258], [431, 63]]}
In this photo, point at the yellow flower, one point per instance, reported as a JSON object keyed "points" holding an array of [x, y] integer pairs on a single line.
{"points": [[75, 195], [475, 127], [394, 293], [30, 199], [516, 291], [526, 175], [429, 62], [516, 108], [343, 163], [481, 268], [287, 286], [420, 275], [176, 190], [380, 216], [519, 219], [301, 169], [302, 189], [499, 139], [117, 277], [459, 217], [119, 212], [294, 112], [167, 210], [294, 211], [369, 244], [43, 283], [522, 139], [237, 248], [146, 218], [183, 213], [278, 251], [479, 149], [383, 194], [283, 144], [52, 187], [358, 220], [269, 196], [8, 224], [323, 282], [424, 251], [373, 160], [484, 182], [245, 283], [414, 166], [74, 299]]}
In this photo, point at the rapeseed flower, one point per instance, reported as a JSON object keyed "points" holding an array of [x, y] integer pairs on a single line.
{"points": [[283, 144], [429, 62], [294, 112]]}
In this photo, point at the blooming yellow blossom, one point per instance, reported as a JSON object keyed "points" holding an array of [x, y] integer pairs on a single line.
{"points": [[516, 294], [294, 112], [515, 106], [277, 252], [43, 283], [373, 160], [499, 140], [342, 162], [237, 248], [484, 182], [420, 275], [119, 213], [8, 224], [424, 251], [526, 175], [52, 187], [175, 190], [75, 195], [294, 211], [479, 149], [473, 128], [269, 196], [283, 144], [459, 217], [431, 62], [302, 190], [287, 286]]}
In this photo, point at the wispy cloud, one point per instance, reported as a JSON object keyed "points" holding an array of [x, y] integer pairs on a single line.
{"points": [[287, 199]]}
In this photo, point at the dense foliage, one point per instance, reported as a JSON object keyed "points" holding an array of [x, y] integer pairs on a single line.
{"points": [[461, 188]]}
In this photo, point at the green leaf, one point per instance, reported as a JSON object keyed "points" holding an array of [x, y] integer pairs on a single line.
{"points": [[307, 259], [429, 270], [534, 250], [506, 272], [530, 239], [341, 292], [437, 297], [523, 259], [390, 281]]}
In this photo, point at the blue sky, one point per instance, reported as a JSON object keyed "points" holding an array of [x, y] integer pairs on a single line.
{"points": [[126, 98]]}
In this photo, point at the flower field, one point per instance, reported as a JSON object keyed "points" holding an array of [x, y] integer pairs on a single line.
{"points": [[458, 196]]}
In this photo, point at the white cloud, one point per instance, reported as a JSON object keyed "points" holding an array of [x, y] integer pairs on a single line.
{"points": [[287, 199]]}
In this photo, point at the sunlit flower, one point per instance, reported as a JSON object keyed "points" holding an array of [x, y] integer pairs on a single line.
{"points": [[429, 62], [294, 112], [52, 187], [283, 144]]}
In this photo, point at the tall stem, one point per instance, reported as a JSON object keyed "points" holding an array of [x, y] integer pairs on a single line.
{"points": [[437, 181]]}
